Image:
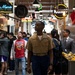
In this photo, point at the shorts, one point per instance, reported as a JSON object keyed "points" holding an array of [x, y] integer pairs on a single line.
{"points": [[3, 58]]}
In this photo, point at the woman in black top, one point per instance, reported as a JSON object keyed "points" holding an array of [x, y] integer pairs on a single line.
{"points": [[57, 53]]}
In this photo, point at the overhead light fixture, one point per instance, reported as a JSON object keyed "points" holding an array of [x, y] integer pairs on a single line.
{"points": [[49, 16], [36, 3], [41, 14], [64, 13], [15, 6], [36, 10], [74, 8]]}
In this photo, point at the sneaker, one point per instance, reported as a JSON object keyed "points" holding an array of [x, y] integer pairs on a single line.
{"points": [[5, 73], [9, 71]]}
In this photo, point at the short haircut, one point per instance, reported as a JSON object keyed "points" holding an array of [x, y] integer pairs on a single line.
{"points": [[24, 33], [41, 23], [54, 33], [4, 34], [67, 30], [11, 34], [20, 32]]}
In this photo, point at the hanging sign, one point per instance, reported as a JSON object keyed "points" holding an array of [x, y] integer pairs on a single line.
{"points": [[72, 15], [40, 8], [21, 11], [60, 8], [6, 7]]}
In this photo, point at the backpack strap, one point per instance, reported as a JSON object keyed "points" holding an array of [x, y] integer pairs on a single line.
{"points": [[57, 41]]}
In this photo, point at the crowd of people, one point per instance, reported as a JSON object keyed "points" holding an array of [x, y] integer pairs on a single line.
{"points": [[44, 51], [10, 44]]}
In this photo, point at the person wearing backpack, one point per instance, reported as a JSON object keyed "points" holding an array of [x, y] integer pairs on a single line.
{"points": [[19, 47]]}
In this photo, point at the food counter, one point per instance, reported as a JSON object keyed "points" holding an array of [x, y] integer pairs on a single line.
{"points": [[71, 61]]}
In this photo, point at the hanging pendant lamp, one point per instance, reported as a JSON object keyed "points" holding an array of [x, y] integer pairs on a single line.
{"points": [[74, 8], [36, 3]]}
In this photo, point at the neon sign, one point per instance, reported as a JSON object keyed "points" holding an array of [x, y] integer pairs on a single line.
{"points": [[6, 7], [60, 9]]}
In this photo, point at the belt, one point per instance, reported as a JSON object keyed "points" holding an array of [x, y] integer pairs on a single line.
{"points": [[39, 54]]}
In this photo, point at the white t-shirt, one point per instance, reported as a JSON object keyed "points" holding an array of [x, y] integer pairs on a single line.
{"points": [[39, 37]]}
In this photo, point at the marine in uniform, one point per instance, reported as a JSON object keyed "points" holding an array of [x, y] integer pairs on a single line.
{"points": [[40, 51]]}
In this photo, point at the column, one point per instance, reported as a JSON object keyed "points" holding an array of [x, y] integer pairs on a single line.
{"points": [[11, 20], [24, 27]]}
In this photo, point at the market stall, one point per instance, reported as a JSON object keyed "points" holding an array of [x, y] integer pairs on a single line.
{"points": [[71, 62]]}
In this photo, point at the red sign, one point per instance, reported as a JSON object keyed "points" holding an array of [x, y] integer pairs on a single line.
{"points": [[73, 17]]}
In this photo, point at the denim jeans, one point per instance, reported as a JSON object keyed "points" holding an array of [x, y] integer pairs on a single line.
{"points": [[23, 64]]}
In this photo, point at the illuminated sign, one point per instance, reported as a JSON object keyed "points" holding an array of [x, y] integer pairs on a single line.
{"points": [[26, 19], [6, 7], [59, 11], [39, 8]]}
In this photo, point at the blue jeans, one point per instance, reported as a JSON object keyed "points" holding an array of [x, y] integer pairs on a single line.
{"points": [[23, 64]]}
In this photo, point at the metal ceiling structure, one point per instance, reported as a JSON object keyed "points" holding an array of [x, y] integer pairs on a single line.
{"points": [[47, 5]]}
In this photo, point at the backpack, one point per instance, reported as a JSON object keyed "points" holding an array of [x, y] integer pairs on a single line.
{"points": [[56, 49]]}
